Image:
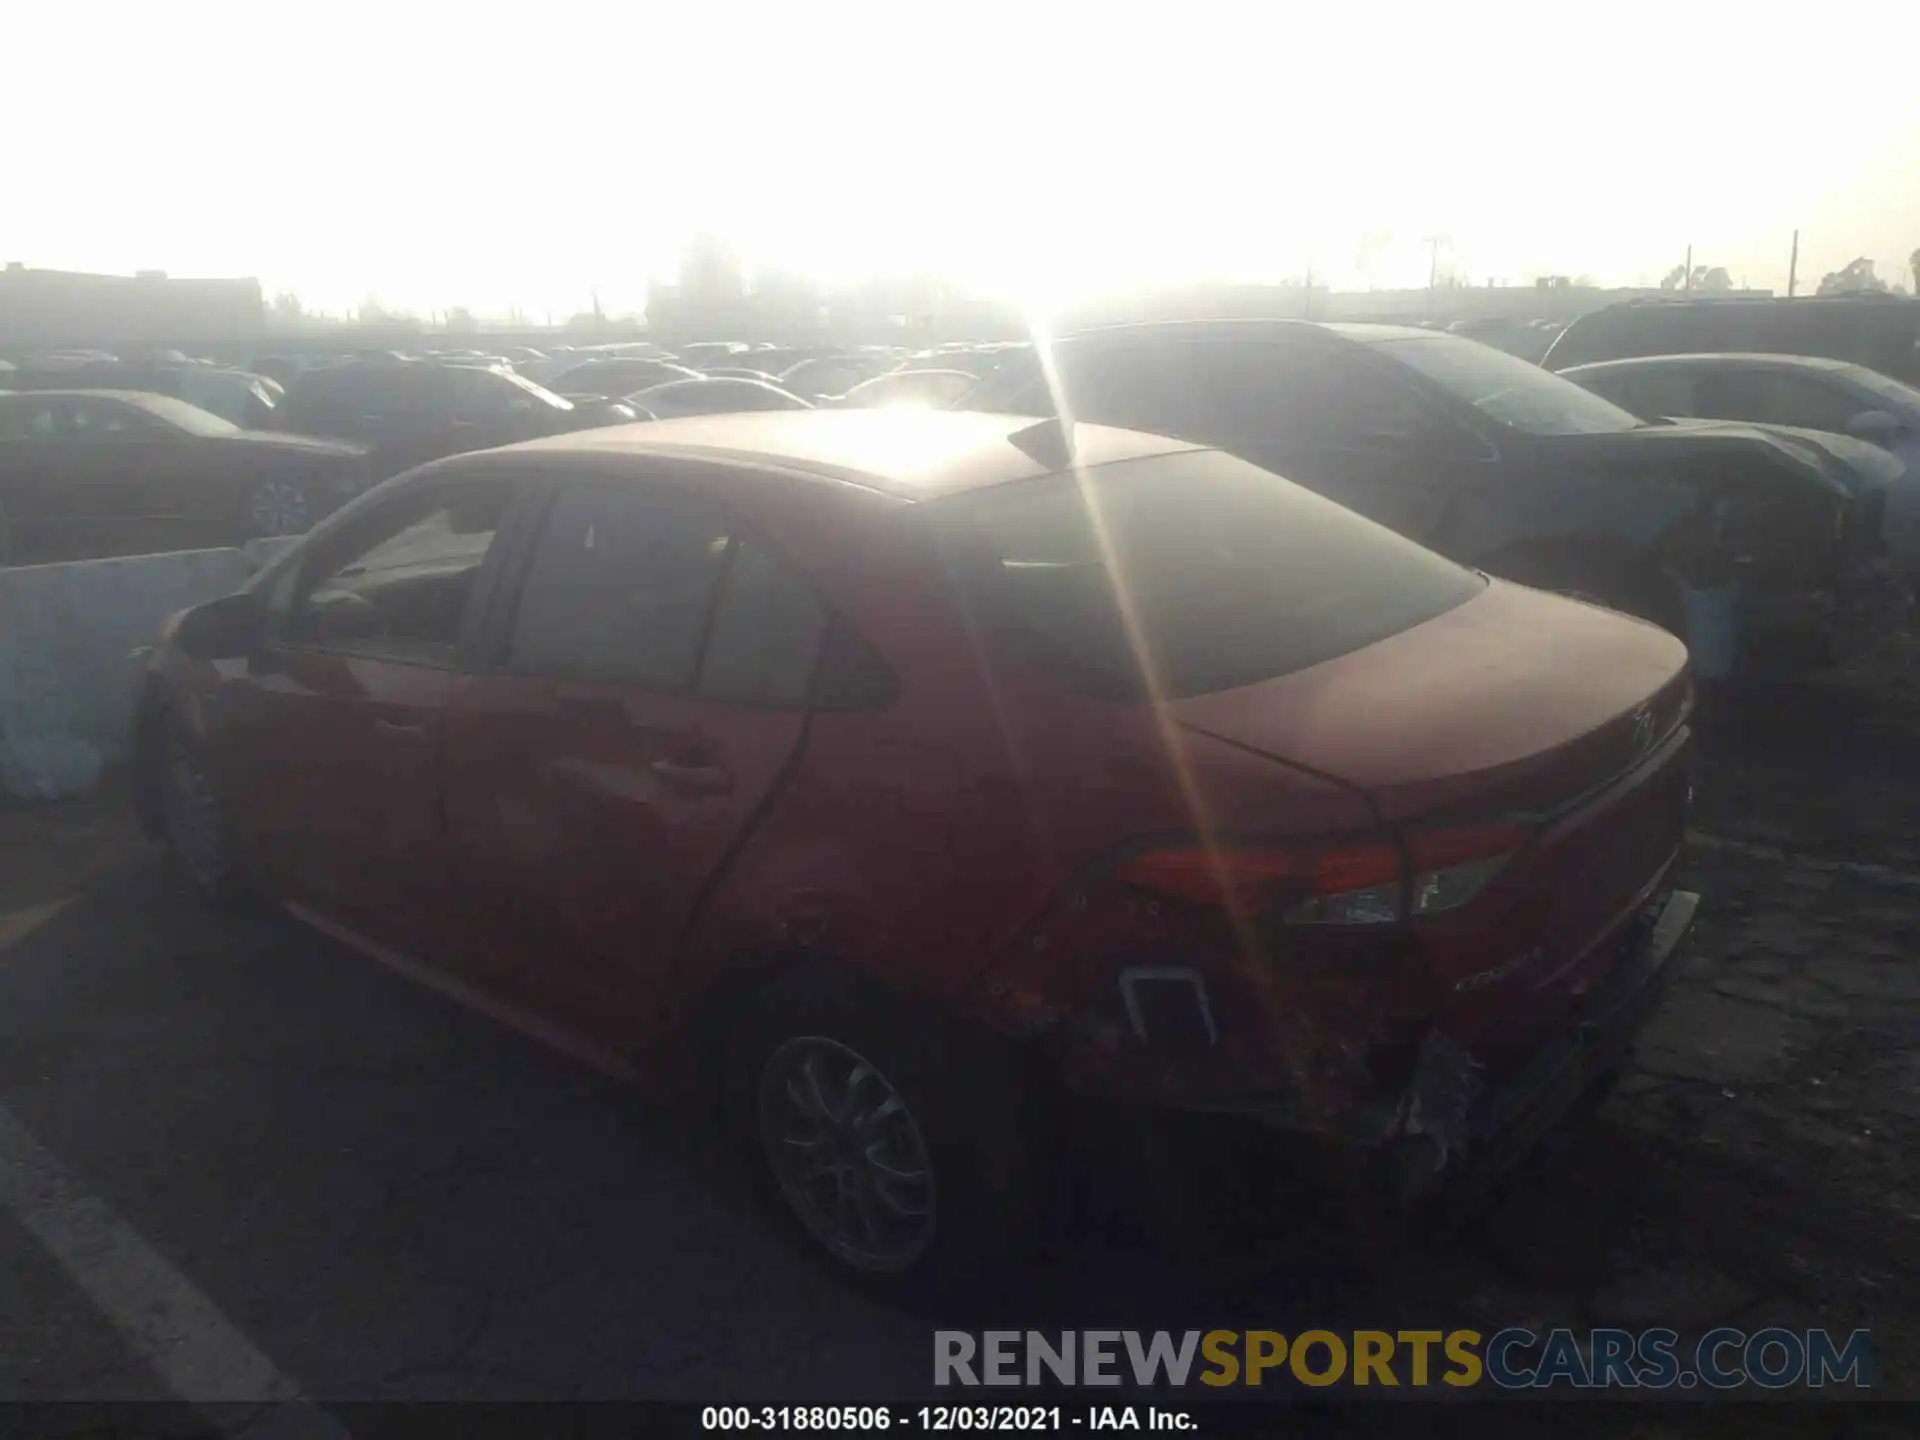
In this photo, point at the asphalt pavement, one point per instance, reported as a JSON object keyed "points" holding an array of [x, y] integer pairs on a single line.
{"points": [[240, 1163]]}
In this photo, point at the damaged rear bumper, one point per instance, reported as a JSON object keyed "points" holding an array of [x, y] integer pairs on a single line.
{"points": [[1508, 1120], [1449, 1133]]}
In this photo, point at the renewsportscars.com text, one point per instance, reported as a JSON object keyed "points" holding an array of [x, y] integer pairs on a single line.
{"points": [[1513, 1358]]}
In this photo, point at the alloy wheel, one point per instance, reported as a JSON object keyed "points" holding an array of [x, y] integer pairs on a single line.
{"points": [[278, 507], [847, 1153]]}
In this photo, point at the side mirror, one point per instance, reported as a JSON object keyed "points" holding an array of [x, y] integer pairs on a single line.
{"points": [[1877, 426], [233, 627], [345, 618]]}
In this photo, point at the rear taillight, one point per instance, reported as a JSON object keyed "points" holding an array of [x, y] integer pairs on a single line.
{"points": [[1343, 883]]}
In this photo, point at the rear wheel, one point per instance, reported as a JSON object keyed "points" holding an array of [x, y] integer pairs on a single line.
{"points": [[848, 1154], [903, 1149]]}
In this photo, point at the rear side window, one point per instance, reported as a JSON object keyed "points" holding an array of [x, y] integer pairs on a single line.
{"points": [[621, 587], [1183, 574], [766, 632]]}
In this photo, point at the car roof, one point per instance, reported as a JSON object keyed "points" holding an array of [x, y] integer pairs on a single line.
{"points": [[1715, 357], [1370, 334], [143, 399], [1258, 324], [909, 454]]}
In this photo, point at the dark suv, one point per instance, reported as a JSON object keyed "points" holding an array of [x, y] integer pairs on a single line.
{"points": [[1877, 331], [1503, 466]]}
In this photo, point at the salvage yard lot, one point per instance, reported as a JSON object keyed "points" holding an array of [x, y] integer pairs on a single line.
{"points": [[390, 1198]]}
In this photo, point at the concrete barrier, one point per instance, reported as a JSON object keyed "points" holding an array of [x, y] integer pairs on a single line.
{"points": [[66, 704]]}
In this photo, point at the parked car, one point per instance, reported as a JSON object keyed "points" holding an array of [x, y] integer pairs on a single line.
{"points": [[977, 363], [78, 458], [769, 360], [1800, 391], [616, 376], [1877, 331], [411, 411], [245, 399], [701, 353], [1515, 336], [812, 764], [241, 397], [832, 374], [713, 396], [740, 372], [1764, 553], [934, 389]]}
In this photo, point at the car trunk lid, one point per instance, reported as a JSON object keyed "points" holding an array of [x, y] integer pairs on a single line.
{"points": [[1516, 700]]}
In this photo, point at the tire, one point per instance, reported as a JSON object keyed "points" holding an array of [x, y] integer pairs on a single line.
{"points": [[905, 1151], [193, 821], [275, 505]]}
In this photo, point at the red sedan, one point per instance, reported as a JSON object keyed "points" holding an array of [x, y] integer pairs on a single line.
{"points": [[904, 777]]}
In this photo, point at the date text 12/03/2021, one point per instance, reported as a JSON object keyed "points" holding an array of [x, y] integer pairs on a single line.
{"points": [[944, 1419]]}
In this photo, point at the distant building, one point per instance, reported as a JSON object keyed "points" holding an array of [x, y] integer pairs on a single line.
{"points": [[64, 309]]}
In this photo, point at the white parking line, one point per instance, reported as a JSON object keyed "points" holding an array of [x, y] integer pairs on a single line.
{"points": [[178, 1333]]}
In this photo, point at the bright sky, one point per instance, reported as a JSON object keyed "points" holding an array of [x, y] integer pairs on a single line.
{"points": [[430, 155]]}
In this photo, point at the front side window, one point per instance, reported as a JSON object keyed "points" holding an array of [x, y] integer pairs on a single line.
{"points": [[398, 585], [621, 587]]}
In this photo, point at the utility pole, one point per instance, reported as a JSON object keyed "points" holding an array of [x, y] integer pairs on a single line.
{"points": [[1306, 295], [1687, 284], [1793, 265]]}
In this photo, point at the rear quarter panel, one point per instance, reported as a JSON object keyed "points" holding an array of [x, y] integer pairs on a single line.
{"points": [[919, 843]]}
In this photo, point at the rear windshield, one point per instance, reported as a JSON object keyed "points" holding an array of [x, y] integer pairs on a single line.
{"points": [[1184, 574], [1507, 389], [1904, 398]]}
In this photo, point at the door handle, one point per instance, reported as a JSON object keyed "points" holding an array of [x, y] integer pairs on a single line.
{"points": [[397, 727], [693, 779]]}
